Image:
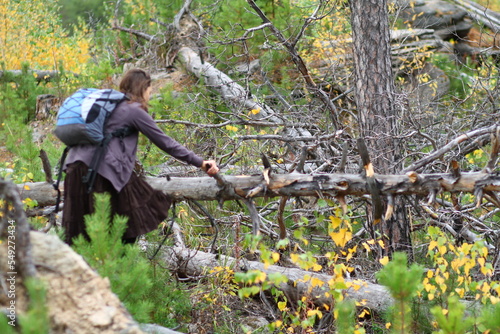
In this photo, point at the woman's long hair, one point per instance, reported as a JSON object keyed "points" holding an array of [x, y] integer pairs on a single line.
{"points": [[134, 83]]}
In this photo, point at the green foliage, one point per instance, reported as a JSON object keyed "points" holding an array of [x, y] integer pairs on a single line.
{"points": [[403, 283], [17, 108], [147, 294], [128, 272], [345, 312], [91, 11], [18, 95], [490, 319], [461, 77], [451, 320], [35, 320], [454, 270]]}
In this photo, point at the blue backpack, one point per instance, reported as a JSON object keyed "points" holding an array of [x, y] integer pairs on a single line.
{"points": [[82, 116], [82, 119]]}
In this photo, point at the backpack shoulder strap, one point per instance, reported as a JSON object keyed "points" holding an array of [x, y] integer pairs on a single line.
{"points": [[89, 179]]}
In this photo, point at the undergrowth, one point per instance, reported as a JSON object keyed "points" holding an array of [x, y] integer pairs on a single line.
{"points": [[148, 291]]}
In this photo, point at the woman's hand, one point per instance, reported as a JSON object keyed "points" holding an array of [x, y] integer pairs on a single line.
{"points": [[210, 167]]}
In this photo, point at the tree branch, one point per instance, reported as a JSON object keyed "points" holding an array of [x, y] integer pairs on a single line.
{"points": [[135, 32], [17, 230], [448, 147], [301, 66]]}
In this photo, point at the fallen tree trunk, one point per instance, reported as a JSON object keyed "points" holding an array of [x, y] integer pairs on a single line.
{"points": [[46, 76], [482, 14], [233, 93], [295, 184], [194, 263]]}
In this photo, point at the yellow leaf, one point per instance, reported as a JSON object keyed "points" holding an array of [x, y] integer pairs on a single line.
{"points": [[335, 221], [364, 313], [341, 237], [315, 312], [26, 187], [317, 267], [365, 245], [442, 250], [275, 256], [384, 260], [316, 282], [261, 276], [281, 306], [484, 251]]}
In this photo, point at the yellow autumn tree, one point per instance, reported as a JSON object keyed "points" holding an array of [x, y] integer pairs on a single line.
{"points": [[31, 32]]}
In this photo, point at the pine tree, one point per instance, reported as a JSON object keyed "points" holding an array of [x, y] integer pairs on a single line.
{"points": [[128, 271]]}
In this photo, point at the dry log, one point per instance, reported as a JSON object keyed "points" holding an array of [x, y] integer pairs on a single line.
{"points": [[40, 76], [42, 192], [482, 14], [196, 263], [233, 93], [295, 184]]}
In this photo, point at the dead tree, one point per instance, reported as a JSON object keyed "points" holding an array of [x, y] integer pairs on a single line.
{"points": [[14, 229], [378, 116]]}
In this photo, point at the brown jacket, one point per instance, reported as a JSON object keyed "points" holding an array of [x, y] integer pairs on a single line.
{"points": [[119, 159]]}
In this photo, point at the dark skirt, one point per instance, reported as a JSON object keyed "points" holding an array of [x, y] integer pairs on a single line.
{"points": [[145, 207]]}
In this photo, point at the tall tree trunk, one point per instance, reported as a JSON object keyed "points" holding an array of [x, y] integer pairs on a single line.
{"points": [[377, 111]]}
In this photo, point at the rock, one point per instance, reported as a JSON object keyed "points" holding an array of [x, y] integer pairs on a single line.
{"points": [[78, 299], [103, 317], [251, 324], [155, 329]]}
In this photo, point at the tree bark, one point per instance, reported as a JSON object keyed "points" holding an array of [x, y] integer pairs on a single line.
{"points": [[15, 227], [377, 113]]}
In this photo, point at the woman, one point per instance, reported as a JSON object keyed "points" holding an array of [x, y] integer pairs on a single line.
{"points": [[131, 196]]}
